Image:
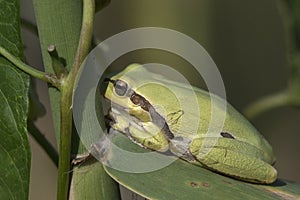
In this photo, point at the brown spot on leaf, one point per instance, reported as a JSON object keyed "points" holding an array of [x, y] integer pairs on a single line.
{"points": [[205, 184], [193, 184]]}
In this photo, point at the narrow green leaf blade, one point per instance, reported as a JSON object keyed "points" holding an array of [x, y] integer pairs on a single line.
{"points": [[14, 146], [90, 181], [59, 23], [182, 180]]}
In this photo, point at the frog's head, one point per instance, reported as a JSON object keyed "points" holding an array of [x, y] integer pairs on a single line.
{"points": [[131, 113], [121, 93]]}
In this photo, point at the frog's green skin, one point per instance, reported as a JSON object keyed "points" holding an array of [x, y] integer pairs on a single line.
{"points": [[238, 150]]}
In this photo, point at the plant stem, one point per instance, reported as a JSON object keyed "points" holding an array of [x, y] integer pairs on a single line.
{"points": [[30, 70], [66, 99], [57, 65], [43, 142], [267, 103], [85, 37], [64, 144]]}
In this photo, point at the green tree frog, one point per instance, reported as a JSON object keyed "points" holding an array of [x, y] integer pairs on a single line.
{"points": [[152, 116]]}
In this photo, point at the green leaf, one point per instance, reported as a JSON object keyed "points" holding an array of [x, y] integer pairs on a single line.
{"points": [[90, 181], [59, 23], [182, 180], [14, 84]]}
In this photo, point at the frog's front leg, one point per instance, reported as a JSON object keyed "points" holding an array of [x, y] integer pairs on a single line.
{"points": [[144, 134], [180, 146]]}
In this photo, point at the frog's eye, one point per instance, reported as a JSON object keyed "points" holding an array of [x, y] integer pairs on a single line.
{"points": [[120, 87]]}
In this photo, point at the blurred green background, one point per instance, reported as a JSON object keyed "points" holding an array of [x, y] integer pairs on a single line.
{"points": [[246, 39]]}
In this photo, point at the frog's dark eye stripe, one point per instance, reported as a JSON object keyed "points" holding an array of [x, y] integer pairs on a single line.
{"points": [[227, 135], [140, 101], [156, 117], [136, 99]]}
